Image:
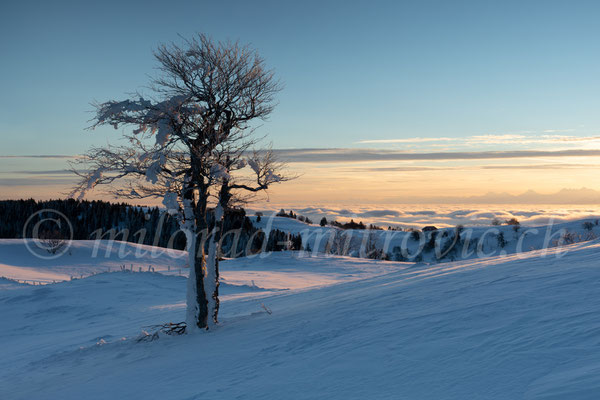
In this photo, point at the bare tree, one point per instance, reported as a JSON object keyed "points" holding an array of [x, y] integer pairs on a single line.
{"points": [[204, 99], [339, 243], [53, 241], [368, 248]]}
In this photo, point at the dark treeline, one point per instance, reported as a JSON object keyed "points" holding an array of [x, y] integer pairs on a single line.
{"points": [[87, 217], [354, 225], [124, 222], [324, 222]]}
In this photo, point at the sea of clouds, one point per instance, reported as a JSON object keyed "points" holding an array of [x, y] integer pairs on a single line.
{"points": [[417, 216]]}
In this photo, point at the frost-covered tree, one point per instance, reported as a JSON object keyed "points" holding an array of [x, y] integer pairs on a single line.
{"points": [[189, 141]]}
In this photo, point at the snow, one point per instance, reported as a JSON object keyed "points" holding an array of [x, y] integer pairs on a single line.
{"points": [[276, 271], [155, 168], [171, 202], [163, 133], [218, 171], [85, 258], [483, 240], [520, 326], [187, 226], [254, 165], [273, 177], [91, 182]]}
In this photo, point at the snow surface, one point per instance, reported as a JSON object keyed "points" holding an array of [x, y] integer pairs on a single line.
{"points": [[521, 326], [482, 240], [84, 258]]}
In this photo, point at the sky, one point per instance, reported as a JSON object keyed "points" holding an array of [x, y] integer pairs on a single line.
{"points": [[383, 101]]}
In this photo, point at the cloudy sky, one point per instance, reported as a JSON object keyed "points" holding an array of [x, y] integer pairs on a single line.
{"points": [[383, 101]]}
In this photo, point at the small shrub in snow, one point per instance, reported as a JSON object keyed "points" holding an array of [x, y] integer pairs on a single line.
{"points": [[569, 238], [52, 241], [397, 254], [415, 235], [501, 240], [267, 309], [430, 245]]}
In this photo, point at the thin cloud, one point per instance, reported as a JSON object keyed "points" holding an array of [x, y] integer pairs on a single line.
{"points": [[408, 140], [398, 169], [541, 166], [549, 136], [353, 155], [476, 167], [558, 130], [33, 182], [40, 172], [563, 196], [38, 156]]}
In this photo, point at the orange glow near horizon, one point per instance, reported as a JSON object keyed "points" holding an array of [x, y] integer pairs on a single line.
{"points": [[379, 182]]}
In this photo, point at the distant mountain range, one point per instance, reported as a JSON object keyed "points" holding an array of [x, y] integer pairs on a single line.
{"points": [[564, 196]]}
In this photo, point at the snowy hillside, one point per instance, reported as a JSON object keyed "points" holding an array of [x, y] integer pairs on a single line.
{"points": [[84, 258], [522, 326], [441, 245]]}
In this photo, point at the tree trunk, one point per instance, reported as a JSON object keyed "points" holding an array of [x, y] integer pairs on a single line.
{"points": [[201, 295], [212, 275], [197, 306], [212, 268]]}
